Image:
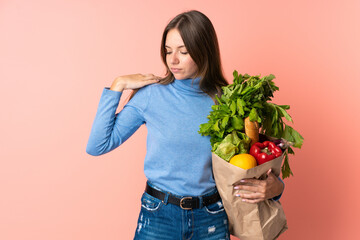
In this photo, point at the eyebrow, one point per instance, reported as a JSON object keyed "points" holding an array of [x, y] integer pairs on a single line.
{"points": [[182, 46]]}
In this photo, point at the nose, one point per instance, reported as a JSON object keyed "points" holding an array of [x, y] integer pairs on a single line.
{"points": [[174, 58]]}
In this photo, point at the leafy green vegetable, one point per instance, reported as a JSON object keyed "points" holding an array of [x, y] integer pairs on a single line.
{"points": [[233, 143], [248, 96]]}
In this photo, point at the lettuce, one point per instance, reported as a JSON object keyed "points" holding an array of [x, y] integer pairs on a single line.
{"points": [[231, 145]]}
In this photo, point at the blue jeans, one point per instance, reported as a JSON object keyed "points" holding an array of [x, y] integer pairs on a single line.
{"points": [[164, 221]]}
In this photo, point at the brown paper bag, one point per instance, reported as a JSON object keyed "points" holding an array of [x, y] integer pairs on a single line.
{"points": [[249, 221]]}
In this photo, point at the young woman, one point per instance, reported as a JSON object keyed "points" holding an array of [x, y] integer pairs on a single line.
{"points": [[180, 200]]}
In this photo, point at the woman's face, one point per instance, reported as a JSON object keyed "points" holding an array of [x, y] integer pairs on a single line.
{"points": [[177, 58]]}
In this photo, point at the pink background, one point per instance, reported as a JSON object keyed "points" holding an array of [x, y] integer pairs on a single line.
{"points": [[57, 56]]}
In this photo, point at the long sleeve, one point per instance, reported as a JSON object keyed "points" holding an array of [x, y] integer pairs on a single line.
{"points": [[110, 130], [178, 158]]}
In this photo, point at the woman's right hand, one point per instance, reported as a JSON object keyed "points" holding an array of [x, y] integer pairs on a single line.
{"points": [[133, 81]]}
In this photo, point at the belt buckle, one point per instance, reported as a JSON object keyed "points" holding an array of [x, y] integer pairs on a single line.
{"points": [[181, 203]]}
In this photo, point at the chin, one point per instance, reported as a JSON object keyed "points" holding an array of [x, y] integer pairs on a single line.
{"points": [[181, 76], [178, 76]]}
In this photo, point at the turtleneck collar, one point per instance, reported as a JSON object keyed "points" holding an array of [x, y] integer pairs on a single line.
{"points": [[190, 85]]}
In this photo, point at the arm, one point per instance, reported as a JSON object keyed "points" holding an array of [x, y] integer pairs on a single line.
{"points": [[109, 130], [277, 198]]}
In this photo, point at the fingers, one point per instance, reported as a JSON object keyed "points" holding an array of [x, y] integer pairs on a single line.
{"points": [[250, 181], [250, 193], [255, 189], [259, 190], [254, 181], [148, 82], [251, 197], [251, 188], [252, 200], [148, 79], [133, 81], [151, 76], [140, 80]]}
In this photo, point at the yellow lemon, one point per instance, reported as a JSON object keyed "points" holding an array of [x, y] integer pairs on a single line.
{"points": [[244, 161]]}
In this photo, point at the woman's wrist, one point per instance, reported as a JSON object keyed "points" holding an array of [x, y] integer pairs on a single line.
{"points": [[281, 189], [117, 85]]}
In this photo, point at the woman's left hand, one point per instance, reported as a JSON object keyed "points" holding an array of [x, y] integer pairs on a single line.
{"points": [[260, 190]]}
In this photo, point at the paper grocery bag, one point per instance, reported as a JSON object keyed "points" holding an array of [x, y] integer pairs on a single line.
{"points": [[249, 221]]}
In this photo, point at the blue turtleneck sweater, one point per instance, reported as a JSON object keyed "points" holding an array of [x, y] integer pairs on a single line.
{"points": [[178, 158]]}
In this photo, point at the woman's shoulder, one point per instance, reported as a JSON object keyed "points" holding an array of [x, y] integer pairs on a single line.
{"points": [[149, 88], [145, 92], [143, 96], [155, 87]]}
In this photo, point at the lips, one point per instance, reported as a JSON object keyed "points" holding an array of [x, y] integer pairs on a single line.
{"points": [[175, 70]]}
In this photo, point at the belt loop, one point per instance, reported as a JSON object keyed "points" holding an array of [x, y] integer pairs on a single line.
{"points": [[165, 201], [200, 202]]}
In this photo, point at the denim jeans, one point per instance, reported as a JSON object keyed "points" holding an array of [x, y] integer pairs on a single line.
{"points": [[165, 221]]}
